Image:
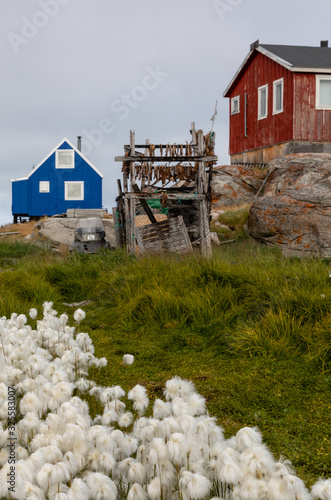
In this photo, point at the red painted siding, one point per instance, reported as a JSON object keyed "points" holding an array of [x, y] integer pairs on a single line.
{"points": [[299, 121], [309, 124], [274, 128]]}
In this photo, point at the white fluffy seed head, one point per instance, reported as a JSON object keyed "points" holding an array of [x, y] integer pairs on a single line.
{"points": [[33, 313], [136, 492], [128, 359], [247, 437], [79, 315]]}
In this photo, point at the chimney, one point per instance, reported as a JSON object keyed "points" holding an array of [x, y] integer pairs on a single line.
{"points": [[79, 142], [255, 44], [324, 43]]}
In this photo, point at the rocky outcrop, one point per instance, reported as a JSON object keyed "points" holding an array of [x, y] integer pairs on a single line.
{"points": [[236, 185], [62, 229], [295, 211]]}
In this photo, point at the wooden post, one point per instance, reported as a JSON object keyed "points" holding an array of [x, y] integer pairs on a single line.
{"points": [[131, 223], [203, 212], [143, 180], [126, 208], [194, 134]]}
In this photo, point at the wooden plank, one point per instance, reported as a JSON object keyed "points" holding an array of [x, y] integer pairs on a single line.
{"points": [[119, 187], [85, 212], [203, 212], [117, 226], [171, 196], [157, 146], [131, 236], [132, 153], [145, 205], [178, 159], [175, 237], [194, 134]]}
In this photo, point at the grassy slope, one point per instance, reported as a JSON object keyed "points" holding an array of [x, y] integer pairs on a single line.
{"points": [[250, 328]]}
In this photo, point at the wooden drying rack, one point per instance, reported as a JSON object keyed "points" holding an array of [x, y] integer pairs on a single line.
{"points": [[185, 172]]}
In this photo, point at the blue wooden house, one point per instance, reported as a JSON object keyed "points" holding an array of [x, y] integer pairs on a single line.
{"points": [[64, 179]]}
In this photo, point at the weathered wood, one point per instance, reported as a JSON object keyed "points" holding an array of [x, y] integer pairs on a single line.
{"points": [[132, 153], [205, 231], [203, 212], [178, 159], [131, 236], [192, 205], [143, 180], [144, 204], [118, 226], [194, 134], [9, 233], [85, 212], [171, 196], [157, 146], [119, 187], [175, 237]]}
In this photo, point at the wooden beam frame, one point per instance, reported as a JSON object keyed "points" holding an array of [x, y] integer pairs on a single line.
{"points": [[132, 194]]}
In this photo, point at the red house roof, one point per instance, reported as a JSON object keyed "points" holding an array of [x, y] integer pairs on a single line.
{"points": [[294, 58]]}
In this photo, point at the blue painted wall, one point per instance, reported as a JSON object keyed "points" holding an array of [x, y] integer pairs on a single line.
{"points": [[38, 204], [20, 197]]}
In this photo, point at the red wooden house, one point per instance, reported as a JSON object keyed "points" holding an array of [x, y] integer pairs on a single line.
{"points": [[280, 103]]}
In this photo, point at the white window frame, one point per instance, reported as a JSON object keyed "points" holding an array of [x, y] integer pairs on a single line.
{"points": [[259, 91], [318, 80], [70, 152], [73, 198], [275, 111], [233, 101], [43, 186]]}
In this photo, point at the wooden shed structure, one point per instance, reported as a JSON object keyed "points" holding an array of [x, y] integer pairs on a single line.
{"points": [[280, 103], [174, 177]]}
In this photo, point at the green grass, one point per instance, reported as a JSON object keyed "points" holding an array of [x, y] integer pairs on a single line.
{"points": [[250, 328]]}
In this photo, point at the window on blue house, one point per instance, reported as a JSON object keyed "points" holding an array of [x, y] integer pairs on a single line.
{"points": [[43, 186], [65, 158], [74, 190]]}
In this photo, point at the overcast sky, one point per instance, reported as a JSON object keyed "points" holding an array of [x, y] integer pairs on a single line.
{"points": [[100, 68]]}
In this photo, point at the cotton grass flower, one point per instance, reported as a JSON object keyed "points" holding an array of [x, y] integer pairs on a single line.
{"points": [[128, 359], [154, 489], [136, 492], [33, 313], [247, 437], [60, 441], [322, 489], [79, 315], [198, 486], [125, 419], [78, 490], [100, 486]]}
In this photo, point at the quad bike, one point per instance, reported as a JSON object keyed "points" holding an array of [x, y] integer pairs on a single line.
{"points": [[89, 235]]}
